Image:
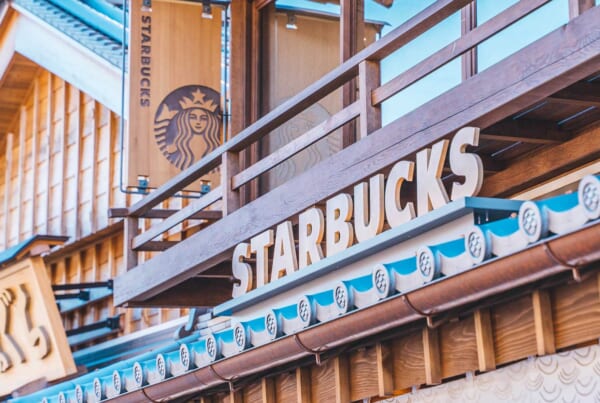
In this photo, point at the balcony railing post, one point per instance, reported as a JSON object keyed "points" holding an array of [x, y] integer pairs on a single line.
{"points": [[577, 7], [369, 78], [131, 226], [229, 168]]}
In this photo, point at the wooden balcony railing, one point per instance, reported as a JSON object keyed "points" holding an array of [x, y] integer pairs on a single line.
{"points": [[366, 67]]}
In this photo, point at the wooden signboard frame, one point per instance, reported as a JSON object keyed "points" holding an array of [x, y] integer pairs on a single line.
{"points": [[33, 342], [174, 100]]}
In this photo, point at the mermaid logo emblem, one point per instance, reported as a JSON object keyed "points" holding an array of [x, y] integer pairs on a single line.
{"points": [[187, 124]]}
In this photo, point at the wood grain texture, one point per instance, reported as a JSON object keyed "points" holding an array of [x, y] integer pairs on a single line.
{"points": [[558, 59], [385, 368], [194, 58], [322, 382], [341, 375], [542, 165], [544, 326], [576, 312], [253, 392], [458, 347], [485, 340], [362, 365], [514, 330], [432, 356], [303, 385], [285, 387]]}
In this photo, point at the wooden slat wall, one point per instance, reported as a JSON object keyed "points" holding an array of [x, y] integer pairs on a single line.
{"points": [[100, 261], [64, 164], [466, 343], [60, 174]]}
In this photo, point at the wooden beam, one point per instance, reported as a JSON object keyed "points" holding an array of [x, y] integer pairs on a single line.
{"points": [[295, 146], [456, 48], [215, 291], [385, 369], [543, 165], [120, 212], [62, 154], [229, 169], [544, 327], [94, 167], [342, 379], [268, 390], [577, 7], [183, 214], [21, 169], [48, 154], [8, 186], [131, 229], [526, 131], [369, 78], [35, 157], [485, 340], [303, 388], [581, 93], [156, 246], [560, 58], [431, 356]]}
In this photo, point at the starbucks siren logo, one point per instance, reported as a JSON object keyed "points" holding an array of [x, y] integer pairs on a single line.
{"points": [[187, 124]]}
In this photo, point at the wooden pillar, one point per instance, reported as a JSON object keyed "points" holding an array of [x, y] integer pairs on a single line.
{"points": [[431, 352], [577, 7], [35, 157], [21, 170], [385, 369], [369, 78], [229, 168], [303, 394], [130, 230], [49, 136], [485, 340], [544, 326], [8, 186], [268, 390], [351, 41], [342, 379], [468, 17]]}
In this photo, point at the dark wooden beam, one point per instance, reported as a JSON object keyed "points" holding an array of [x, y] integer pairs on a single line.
{"points": [[543, 165], [120, 212], [526, 131], [560, 58], [583, 93], [214, 291], [156, 246], [351, 34]]}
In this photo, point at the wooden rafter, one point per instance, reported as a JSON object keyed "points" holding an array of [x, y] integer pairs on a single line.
{"points": [[526, 131], [582, 93]]}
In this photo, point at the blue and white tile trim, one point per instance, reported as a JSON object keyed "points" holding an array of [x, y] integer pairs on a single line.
{"points": [[533, 222]]}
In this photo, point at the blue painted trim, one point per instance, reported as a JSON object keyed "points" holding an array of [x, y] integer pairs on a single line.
{"points": [[481, 206], [92, 17], [11, 253], [112, 12]]}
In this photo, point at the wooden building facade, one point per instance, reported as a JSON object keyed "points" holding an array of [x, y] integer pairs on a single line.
{"points": [[401, 207]]}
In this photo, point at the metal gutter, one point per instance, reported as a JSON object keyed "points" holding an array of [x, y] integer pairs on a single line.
{"points": [[543, 259]]}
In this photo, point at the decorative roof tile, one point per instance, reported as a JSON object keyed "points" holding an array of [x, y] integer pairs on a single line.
{"points": [[106, 44]]}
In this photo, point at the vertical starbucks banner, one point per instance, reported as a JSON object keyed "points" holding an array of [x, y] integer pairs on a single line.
{"points": [[174, 84]]}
